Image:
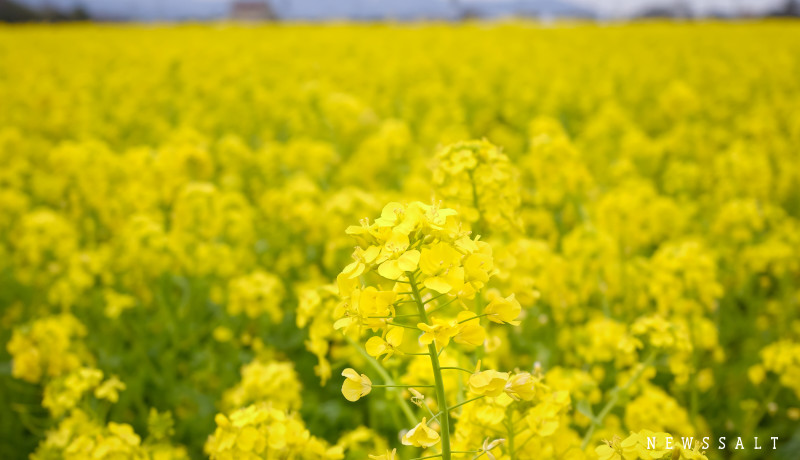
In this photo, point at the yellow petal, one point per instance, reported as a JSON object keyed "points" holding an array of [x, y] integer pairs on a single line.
{"points": [[438, 284]]}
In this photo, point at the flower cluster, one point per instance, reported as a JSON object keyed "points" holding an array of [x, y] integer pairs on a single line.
{"points": [[63, 394], [783, 359], [273, 381], [261, 431], [256, 294], [649, 445], [480, 181], [423, 272], [47, 348], [79, 436]]}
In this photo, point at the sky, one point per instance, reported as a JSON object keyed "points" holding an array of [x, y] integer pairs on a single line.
{"points": [[623, 7], [317, 9]]}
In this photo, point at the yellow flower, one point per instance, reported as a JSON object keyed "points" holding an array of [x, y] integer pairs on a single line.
{"points": [[261, 431], [421, 435], [416, 397], [478, 266], [442, 265], [124, 432], [275, 382], [451, 280], [440, 332], [470, 331], [503, 310], [373, 304], [395, 268], [607, 451], [522, 386], [543, 418], [389, 455], [117, 303], [355, 386], [47, 348], [110, 389], [377, 345], [346, 285], [489, 446], [435, 216], [391, 214], [363, 260], [488, 382], [222, 334], [256, 294], [369, 308], [395, 244]]}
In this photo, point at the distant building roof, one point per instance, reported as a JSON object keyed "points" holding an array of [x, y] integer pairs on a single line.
{"points": [[251, 11]]}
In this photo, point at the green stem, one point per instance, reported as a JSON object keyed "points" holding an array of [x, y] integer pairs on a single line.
{"points": [[390, 316], [473, 317], [762, 410], [442, 306], [458, 369], [434, 417], [434, 298], [510, 433], [386, 378], [402, 386], [694, 396], [437, 375], [407, 326], [465, 402]]}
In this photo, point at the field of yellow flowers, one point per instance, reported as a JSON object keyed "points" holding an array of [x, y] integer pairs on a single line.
{"points": [[452, 241]]}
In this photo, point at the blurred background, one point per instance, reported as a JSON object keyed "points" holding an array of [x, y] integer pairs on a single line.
{"points": [[371, 10]]}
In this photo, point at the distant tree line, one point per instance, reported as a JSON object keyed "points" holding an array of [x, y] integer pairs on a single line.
{"points": [[13, 11], [680, 9], [789, 8]]}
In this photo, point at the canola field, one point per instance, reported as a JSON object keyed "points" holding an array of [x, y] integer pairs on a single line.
{"points": [[457, 241]]}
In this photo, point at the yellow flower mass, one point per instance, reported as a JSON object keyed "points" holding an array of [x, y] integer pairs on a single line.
{"points": [[470, 240]]}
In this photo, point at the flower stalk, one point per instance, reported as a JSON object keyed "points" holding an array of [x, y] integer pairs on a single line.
{"points": [[437, 375]]}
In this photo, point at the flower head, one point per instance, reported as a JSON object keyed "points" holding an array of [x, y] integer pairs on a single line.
{"points": [[440, 332], [522, 386], [377, 346], [355, 386], [421, 435], [504, 310], [488, 382]]}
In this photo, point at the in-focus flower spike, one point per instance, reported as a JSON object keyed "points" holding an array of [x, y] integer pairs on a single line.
{"points": [[433, 265]]}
